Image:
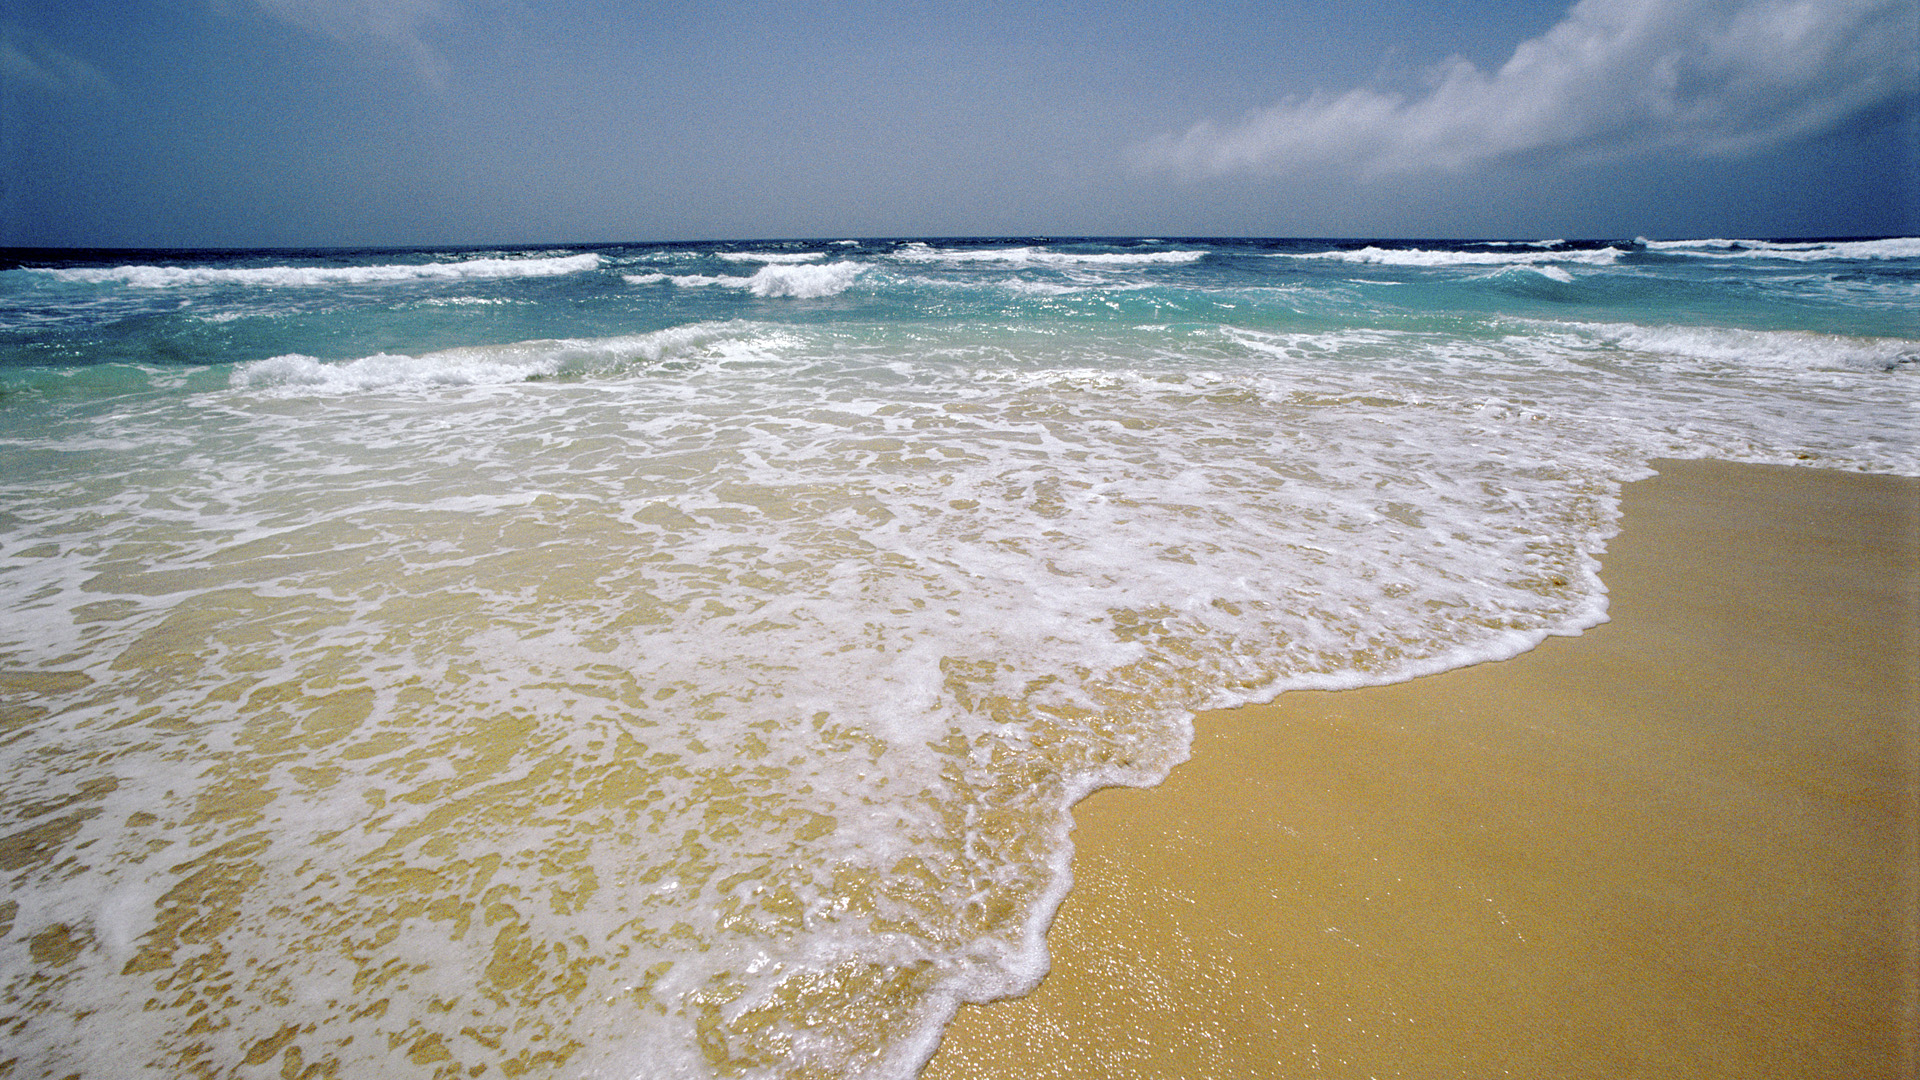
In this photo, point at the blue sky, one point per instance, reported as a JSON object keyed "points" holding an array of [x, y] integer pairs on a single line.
{"points": [[375, 122]]}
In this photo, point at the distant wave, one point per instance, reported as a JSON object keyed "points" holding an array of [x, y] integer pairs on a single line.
{"points": [[1032, 256], [168, 277], [1075, 285], [771, 256], [800, 280], [1904, 247], [1519, 243], [1377, 256]]}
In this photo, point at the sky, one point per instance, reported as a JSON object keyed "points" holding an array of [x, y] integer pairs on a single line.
{"points": [[256, 123]]}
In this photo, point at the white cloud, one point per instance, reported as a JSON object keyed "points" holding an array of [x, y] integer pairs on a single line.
{"points": [[397, 25], [1705, 77], [25, 58]]}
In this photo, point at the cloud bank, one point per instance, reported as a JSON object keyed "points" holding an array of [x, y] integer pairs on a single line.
{"points": [[1706, 78]]}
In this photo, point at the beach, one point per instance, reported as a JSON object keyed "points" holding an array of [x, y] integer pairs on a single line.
{"points": [[682, 660], [1678, 844]]}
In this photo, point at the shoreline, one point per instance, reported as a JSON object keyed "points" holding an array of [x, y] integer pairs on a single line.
{"points": [[1681, 843]]}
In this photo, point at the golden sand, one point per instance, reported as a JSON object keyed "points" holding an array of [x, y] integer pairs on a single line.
{"points": [[1682, 844]]}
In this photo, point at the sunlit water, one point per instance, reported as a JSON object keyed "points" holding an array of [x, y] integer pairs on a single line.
{"points": [[679, 660]]}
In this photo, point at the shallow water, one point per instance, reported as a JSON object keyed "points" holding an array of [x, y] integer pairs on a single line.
{"points": [[678, 660]]}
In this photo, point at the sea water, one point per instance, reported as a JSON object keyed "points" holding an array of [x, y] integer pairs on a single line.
{"points": [[680, 660]]}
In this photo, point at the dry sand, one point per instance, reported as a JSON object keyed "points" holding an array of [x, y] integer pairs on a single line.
{"points": [[1681, 845]]}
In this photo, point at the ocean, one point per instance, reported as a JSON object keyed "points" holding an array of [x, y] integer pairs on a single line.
{"points": [[680, 660]]}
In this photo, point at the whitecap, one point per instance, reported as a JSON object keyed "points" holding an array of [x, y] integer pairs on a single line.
{"points": [[804, 281]]}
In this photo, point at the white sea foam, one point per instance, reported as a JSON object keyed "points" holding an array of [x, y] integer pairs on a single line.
{"points": [[167, 277]]}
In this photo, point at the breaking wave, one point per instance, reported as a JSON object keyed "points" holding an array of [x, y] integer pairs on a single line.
{"points": [[800, 280]]}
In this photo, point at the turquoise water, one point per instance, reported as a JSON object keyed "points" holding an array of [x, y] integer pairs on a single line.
{"points": [[679, 660]]}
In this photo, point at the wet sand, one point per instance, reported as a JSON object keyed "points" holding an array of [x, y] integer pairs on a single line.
{"points": [[1682, 844]]}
